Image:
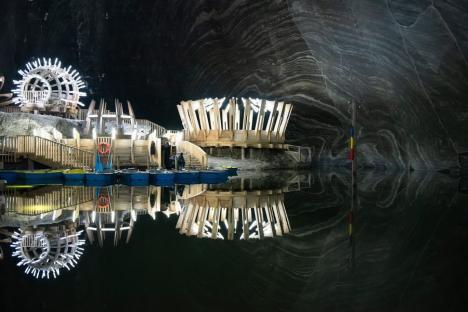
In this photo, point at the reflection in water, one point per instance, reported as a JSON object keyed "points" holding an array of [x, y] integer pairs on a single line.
{"points": [[234, 215], [47, 249], [402, 248], [47, 216]]}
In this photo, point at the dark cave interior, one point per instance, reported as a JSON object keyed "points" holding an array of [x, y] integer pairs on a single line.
{"points": [[404, 63]]}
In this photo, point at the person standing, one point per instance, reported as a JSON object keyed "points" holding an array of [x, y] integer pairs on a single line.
{"points": [[181, 162], [166, 151]]}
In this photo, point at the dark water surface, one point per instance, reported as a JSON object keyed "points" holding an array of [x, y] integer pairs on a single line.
{"points": [[403, 248]]}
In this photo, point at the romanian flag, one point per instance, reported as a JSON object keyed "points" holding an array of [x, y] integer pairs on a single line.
{"points": [[352, 144]]}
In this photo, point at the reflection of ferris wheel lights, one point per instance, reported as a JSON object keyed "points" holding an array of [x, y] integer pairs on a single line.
{"points": [[46, 252]]}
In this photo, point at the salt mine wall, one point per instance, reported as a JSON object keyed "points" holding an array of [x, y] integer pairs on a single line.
{"points": [[402, 62]]}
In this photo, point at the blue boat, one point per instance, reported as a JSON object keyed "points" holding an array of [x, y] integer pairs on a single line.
{"points": [[213, 176], [187, 177], [41, 177], [99, 179], [134, 177], [162, 178], [9, 176], [74, 182], [231, 171], [74, 176]]}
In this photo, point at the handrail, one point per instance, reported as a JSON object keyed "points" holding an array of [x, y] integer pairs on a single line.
{"points": [[51, 198], [51, 151], [160, 130], [36, 97], [233, 137], [193, 151]]}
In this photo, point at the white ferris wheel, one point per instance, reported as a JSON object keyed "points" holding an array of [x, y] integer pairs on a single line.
{"points": [[46, 86]]}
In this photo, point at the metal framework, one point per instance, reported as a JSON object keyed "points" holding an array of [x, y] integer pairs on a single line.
{"points": [[46, 86], [236, 122]]}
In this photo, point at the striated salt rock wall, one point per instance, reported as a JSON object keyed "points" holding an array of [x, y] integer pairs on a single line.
{"points": [[49, 127], [403, 62]]}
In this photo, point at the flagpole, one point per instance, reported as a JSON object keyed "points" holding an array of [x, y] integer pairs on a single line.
{"points": [[352, 157], [353, 147]]}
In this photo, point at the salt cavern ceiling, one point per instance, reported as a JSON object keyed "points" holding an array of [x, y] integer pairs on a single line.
{"points": [[403, 63]]}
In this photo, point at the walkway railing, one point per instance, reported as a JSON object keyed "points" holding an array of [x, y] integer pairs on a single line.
{"points": [[192, 151], [47, 151], [241, 138], [160, 131], [36, 97], [46, 199]]}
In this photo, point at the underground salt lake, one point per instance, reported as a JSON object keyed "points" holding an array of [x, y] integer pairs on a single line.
{"points": [[289, 241]]}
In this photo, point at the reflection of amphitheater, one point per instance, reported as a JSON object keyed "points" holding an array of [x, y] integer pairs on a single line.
{"points": [[47, 249], [238, 209], [234, 215]]}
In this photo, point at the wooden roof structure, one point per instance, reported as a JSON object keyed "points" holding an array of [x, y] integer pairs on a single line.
{"points": [[244, 122]]}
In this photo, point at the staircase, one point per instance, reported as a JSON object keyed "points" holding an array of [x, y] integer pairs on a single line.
{"points": [[192, 162], [47, 152], [195, 157]]}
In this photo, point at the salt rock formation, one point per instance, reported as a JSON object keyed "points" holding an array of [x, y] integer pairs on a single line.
{"points": [[403, 63], [49, 127]]}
